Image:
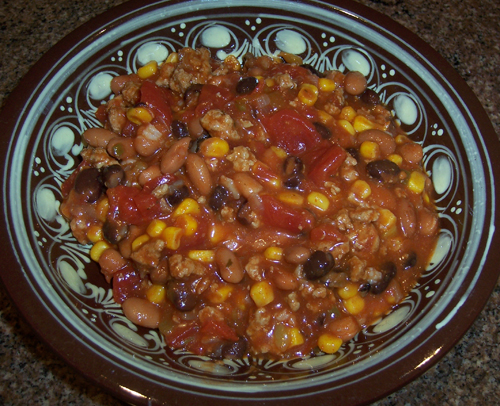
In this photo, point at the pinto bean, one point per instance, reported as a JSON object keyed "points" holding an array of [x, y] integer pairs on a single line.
{"points": [[88, 183], [146, 146], [405, 212], [150, 173], [141, 312], [111, 261], [199, 174], [384, 140], [355, 83], [121, 148], [113, 176], [428, 222], [230, 268], [246, 184], [411, 152], [98, 137], [297, 254], [284, 280], [173, 159], [345, 328], [118, 82]]}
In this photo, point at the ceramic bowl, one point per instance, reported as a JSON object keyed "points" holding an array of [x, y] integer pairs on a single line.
{"points": [[65, 298]]}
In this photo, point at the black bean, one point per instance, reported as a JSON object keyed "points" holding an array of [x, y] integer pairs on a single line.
{"points": [[318, 265], [246, 85], [113, 176], [292, 182], [179, 129], [177, 193], [195, 145], [383, 170], [354, 153], [88, 183], [191, 94], [244, 214], [323, 130], [312, 69], [388, 272], [233, 349], [219, 198], [370, 97], [181, 295], [293, 165], [409, 260], [114, 231]]}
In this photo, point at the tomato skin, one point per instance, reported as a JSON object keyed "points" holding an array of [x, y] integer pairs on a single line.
{"points": [[325, 232], [324, 163], [158, 99], [291, 131], [177, 338], [277, 214], [126, 283], [132, 205]]}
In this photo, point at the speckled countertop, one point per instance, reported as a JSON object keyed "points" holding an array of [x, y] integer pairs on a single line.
{"points": [[466, 33]]}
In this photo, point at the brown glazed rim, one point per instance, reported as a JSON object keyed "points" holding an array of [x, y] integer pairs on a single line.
{"points": [[427, 349]]}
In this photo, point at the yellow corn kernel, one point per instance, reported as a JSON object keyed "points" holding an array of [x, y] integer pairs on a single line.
{"points": [[396, 158], [361, 123], [139, 115], [318, 200], [355, 304], [140, 241], [346, 125], [329, 343], [326, 85], [148, 70], [401, 139], [232, 62], [292, 198], [296, 337], [102, 209], [273, 253], [270, 82], [94, 234], [156, 294], [173, 58], [280, 152], [214, 147], [262, 293], [416, 182], [97, 249], [324, 117], [172, 237], [308, 94], [291, 58], [348, 291], [347, 113], [155, 228], [386, 223], [369, 150], [426, 197], [361, 189], [220, 294], [217, 233], [188, 223], [202, 255], [187, 206]]}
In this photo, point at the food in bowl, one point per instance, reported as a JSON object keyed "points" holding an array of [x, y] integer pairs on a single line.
{"points": [[251, 208]]}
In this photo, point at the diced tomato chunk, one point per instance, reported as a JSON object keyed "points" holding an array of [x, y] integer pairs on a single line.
{"points": [[291, 131], [126, 283], [277, 214], [133, 205], [218, 329], [212, 97], [322, 163], [326, 232], [158, 99]]}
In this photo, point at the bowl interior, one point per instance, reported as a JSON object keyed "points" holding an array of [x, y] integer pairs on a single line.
{"points": [[44, 148]]}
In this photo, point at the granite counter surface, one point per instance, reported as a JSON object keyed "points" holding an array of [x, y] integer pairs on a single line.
{"points": [[465, 32]]}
